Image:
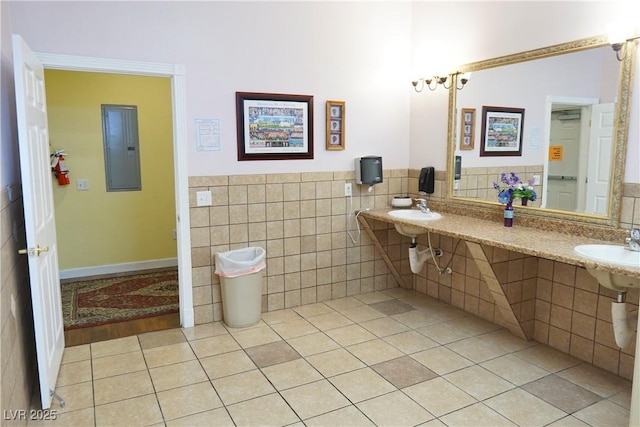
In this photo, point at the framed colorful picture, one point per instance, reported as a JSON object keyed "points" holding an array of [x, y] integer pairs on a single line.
{"points": [[274, 126], [501, 131], [335, 125], [467, 128]]}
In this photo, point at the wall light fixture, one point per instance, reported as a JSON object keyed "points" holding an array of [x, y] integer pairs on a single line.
{"points": [[433, 82], [619, 44]]}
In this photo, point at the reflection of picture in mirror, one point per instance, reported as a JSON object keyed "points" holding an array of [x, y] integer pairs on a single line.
{"points": [[502, 131], [467, 130]]}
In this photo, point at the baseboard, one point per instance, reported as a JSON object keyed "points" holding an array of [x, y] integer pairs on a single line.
{"points": [[74, 273]]}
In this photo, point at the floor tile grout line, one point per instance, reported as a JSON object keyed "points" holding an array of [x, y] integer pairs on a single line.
{"points": [[209, 380]]}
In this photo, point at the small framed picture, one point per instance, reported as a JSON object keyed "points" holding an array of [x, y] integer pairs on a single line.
{"points": [[335, 125], [467, 128]]}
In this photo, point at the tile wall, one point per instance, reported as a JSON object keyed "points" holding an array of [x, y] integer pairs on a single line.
{"points": [[301, 221], [477, 183], [630, 213], [17, 355]]}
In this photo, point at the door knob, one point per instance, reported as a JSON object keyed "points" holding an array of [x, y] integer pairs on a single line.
{"points": [[34, 251]]}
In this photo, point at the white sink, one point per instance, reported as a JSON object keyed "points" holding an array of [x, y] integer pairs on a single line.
{"points": [[412, 215], [415, 215], [612, 254]]}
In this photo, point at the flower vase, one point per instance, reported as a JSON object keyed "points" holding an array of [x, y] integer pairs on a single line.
{"points": [[525, 202], [508, 214]]}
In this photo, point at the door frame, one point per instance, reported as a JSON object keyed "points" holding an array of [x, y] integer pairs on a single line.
{"points": [[176, 73]]}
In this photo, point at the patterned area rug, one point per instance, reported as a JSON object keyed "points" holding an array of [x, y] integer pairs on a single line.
{"points": [[101, 301]]}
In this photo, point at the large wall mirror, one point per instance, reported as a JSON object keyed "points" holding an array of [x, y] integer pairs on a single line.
{"points": [[557, 117]]}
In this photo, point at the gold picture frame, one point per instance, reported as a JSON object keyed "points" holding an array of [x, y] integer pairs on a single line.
{"points": [[467, 128], [335, 125]]}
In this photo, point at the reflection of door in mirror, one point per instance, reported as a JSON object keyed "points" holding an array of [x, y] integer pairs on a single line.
{"points": [[600, 158], [579, 160]]}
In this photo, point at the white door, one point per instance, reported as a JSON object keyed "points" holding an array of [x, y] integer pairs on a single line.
{"points": [[599, 163], [42, 250]]}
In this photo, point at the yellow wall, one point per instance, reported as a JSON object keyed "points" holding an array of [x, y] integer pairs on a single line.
{"points": [[97, 227]]}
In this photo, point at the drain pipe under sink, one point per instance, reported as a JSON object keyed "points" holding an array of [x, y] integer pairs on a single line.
{"points": [[624, 322], [417, 258]]}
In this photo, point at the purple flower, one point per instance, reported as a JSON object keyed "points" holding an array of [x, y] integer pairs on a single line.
{"points": [[511, 187]]}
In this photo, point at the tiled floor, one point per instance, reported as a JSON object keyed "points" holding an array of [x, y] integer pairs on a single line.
{"points": [[394, 358]]}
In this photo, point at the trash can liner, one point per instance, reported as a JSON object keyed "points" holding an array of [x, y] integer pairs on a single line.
{"points": [[240, 262]]}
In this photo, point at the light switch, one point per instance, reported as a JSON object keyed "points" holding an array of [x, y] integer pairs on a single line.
{"points": [[203, 198], [82, 184]]}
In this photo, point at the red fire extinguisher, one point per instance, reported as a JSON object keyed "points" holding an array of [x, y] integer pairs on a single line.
{"points": [[59, 168]]}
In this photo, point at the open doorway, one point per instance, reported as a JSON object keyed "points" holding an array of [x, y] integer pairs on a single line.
{"points": [[115, 217], [180, 208]]}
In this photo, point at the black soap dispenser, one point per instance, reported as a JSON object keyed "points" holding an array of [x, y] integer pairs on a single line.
{"points": [[426, 181]]}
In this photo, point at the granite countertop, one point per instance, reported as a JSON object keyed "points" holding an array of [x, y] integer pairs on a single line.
{"points": [[527, 240]]}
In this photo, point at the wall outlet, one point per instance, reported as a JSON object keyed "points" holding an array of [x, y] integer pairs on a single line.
{"points": [[175, 235], [347, 189], [203, 198]]}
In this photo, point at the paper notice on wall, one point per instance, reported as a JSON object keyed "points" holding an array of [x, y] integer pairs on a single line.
{"points": [[555, 152], [207, 134], [535, 139]]}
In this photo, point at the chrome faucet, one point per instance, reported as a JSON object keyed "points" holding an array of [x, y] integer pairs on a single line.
{"points": [[422, 204], [634, 239]]}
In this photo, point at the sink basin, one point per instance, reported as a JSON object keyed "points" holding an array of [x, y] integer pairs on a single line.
{"points": [[613, 254], [616, 255], [413, 215]]}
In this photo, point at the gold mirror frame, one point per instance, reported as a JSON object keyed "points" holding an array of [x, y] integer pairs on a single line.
{"points": [[625, 83]]}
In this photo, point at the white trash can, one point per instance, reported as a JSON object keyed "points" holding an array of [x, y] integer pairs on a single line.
{"points": [[241, 272]]}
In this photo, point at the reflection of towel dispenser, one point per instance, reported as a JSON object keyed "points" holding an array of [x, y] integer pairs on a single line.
{"points": [[457, 168], [368, 170], [457, 173], [426, 181]]}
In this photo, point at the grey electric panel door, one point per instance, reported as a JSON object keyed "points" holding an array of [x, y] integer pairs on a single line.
{"points": [[121, 147]]}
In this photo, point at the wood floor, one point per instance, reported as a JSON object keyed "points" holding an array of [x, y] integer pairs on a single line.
{"points": [[120, 329]]}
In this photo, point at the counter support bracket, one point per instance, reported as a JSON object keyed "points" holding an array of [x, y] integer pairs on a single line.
{"points": [[497, 291], [383, 254]]}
